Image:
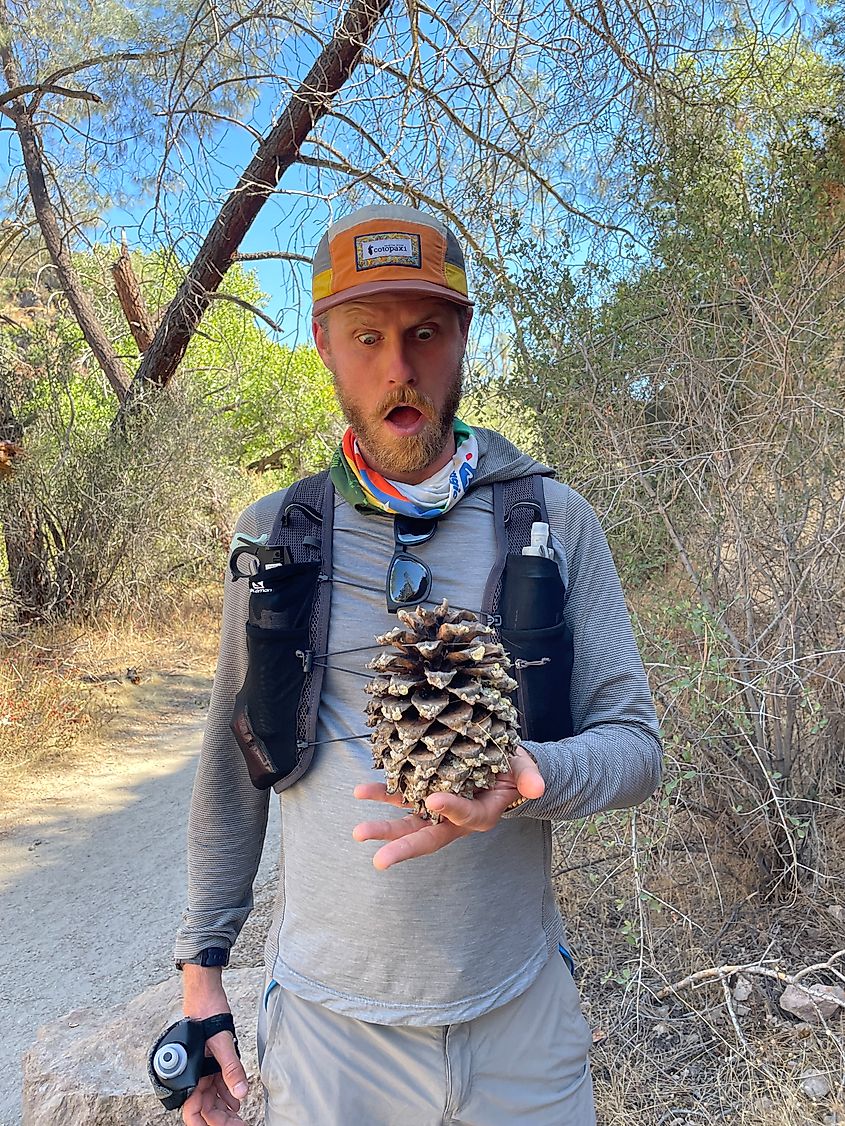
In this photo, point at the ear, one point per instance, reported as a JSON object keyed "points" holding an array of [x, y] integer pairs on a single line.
{"points": [[468, 322], [321, 342]]}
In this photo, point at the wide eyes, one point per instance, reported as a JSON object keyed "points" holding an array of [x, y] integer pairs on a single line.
{"points": [[421, 333]]}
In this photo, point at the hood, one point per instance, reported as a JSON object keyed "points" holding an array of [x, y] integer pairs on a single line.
{"points": [[500, 460]]}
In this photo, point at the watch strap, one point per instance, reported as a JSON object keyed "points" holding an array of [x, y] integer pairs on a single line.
{"points": [[210, 956]]}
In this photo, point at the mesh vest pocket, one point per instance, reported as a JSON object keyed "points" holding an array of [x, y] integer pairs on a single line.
{"points": [[543, 670], [278, 640]]}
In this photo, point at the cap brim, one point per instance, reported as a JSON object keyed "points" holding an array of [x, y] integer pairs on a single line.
{"points": [[404, 288]]}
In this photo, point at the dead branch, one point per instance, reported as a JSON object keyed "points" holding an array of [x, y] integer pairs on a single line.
{"points": [[262, 255], [721, 973], [132, 300], [250, 308], [47, 88], [274, 460]]}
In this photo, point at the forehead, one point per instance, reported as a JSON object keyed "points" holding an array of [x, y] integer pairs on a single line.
{"points": [[391, 310]]}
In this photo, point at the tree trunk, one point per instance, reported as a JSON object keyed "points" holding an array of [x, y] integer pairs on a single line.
{"points": [[23, 538], [48, 221], [275, 154]]}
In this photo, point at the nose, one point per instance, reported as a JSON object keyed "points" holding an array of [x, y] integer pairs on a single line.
{"points": [[398, 366]]}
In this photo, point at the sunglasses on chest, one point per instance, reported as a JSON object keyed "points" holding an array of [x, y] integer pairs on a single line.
{"points": [[408, 578]]}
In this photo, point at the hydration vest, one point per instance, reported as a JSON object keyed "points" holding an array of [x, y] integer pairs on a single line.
{"points": [[288, 626]]}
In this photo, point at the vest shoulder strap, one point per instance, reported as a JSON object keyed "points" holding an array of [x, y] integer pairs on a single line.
{"points": [[303, 527]]}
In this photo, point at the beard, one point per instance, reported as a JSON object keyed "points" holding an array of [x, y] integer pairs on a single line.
{"points": [[394, 454]]}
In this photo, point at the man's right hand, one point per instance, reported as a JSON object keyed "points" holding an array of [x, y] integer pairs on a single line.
{"points": [[217, 1098]]}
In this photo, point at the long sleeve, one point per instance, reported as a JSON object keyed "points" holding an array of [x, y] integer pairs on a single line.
{"points": [[614, 758], [228, 816]]}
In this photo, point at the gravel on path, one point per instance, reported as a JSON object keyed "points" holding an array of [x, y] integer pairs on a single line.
{"points": [[92, 878]]}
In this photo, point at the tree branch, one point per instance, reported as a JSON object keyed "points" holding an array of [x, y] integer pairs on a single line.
{"points": [[47, 88], [132, 299], [261, 255], [55, 242], [274, 156], [256, 312]]}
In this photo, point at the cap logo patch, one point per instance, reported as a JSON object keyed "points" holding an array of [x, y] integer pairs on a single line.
{"points": [[393, 248]]}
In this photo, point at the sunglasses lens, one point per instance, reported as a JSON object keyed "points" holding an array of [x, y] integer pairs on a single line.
{"points": [[408, 581], [410, 532]]}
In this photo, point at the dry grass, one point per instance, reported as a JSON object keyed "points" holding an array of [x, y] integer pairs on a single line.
{"points": [[62, 688], [649, 898]]}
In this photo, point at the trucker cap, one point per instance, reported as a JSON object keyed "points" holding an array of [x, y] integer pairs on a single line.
{"points": [[387, 249]]}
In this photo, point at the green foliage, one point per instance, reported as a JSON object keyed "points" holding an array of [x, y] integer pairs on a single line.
{"points": [[93, 516], [696, 399], [259, 396], [161, 75]]}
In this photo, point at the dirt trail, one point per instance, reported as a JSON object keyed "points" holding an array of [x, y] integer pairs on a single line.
{"points": [[92, 871]]}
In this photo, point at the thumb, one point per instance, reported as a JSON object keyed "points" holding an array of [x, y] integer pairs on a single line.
{"points": [[222, 1047], [527, 776]]}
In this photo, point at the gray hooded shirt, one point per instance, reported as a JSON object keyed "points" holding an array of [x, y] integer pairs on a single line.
{"points": [[446, 937]]}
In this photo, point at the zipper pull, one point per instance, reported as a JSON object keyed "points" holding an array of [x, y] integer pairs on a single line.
{"points": [[519, 663]]}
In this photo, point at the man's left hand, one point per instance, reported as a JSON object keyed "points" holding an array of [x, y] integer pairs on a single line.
{"points": [[414, 836]]}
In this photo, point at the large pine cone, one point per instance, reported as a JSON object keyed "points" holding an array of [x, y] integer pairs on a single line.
{"points": [[442, 717]]}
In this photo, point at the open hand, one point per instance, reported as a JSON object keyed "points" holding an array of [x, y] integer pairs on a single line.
{"points": [[414, 836]]}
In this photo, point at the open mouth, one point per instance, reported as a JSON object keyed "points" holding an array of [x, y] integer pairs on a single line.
{"points": [[405, 420]]}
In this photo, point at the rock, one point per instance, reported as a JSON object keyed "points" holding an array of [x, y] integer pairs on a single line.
{"points": [[89, 1068], [837, 911], [743, 988], [815, 1085], [812, 1003]]}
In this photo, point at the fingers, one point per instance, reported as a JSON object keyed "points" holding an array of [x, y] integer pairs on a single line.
{"points": [[419, 842], [222, 1047], [387, 830], [211, 1104], [476, 814], [413, 836], [529, 780], [377, 791], [191, 1108]]}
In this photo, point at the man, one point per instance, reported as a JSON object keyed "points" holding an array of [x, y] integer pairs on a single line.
{"points": [[430, 991]]}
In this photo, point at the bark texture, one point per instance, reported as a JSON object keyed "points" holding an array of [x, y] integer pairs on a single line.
{"points": [[131, 300], [275, 154]]}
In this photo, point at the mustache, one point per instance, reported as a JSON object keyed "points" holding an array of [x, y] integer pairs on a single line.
{"points": [[407, 397]]}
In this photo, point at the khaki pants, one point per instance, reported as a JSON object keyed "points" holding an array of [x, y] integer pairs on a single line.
{"points": [[522, 1064]]}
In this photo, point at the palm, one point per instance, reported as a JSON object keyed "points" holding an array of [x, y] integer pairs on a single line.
{"points": [[414, 836]]}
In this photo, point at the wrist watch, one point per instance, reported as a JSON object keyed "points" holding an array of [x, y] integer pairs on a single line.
{"points": [[211, 956]]}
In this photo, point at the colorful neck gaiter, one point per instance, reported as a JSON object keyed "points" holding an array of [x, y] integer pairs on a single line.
{"points": [[368, 491]]}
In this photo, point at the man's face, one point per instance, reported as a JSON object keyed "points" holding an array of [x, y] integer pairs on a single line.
{"points": [[397, 364]]}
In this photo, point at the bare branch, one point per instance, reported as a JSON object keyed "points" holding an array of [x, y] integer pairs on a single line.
{"points": [[263, 255], [48, 88], [280, 149], [256, 312]]}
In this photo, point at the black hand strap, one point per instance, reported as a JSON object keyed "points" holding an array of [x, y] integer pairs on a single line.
{"points": [[222, 1022]]}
